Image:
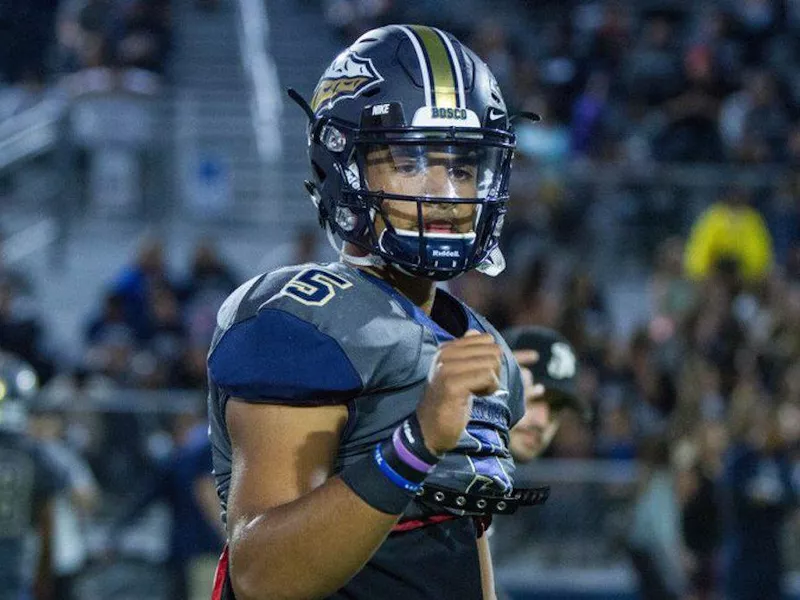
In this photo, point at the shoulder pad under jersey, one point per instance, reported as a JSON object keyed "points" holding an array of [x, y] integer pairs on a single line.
{"points": [[312, 334]]}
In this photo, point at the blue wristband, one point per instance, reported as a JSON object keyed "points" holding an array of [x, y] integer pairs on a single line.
{"points": [[393, 475]]}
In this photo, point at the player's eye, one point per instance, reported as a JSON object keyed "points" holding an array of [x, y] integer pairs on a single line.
{"points": [[407, 166], [462, 173]]}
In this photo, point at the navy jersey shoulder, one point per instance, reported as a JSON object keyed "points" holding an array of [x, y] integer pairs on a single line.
{"points": [[312, 334]]}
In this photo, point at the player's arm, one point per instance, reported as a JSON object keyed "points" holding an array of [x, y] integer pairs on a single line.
{"points": [[294, 531]]}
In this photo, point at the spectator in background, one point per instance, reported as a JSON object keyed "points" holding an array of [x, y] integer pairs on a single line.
{"points": [[30, 485], [758, 493], [143, 38], [22, 331], [82, 28], [781, 349], [105, 33], [550, 385], [615, 438], [71, 507], [585, 320], [210, 279], [700, 398], [757, 21], [611, 40], [111, 318], [653, 70], [136, 282], [754, 122], [671, 295], [559, 69], [111, 357], [588, 115], [652, 391], [185, 482], [691, 132], [654, 538], [700, 469], [168, 337], [730, 230], [714, 34], [190, 370], [209, 282]]}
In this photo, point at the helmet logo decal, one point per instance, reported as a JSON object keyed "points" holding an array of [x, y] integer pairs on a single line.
{"points": [[348, 76], [496, 115], [562, 362]]}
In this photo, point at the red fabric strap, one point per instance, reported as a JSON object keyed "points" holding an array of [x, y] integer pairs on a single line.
{"points": [[417, 523], [220, 575]]}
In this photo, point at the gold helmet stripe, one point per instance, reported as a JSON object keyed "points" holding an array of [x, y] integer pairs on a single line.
{"points": [[442, 69]]}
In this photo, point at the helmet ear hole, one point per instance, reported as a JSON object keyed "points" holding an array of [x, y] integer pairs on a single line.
{"points": [[371, 92]]}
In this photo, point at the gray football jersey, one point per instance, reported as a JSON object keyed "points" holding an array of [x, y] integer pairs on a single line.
{"points": [[331, 334]]}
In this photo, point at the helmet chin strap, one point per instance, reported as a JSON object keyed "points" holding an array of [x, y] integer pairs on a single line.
{"points": [[370, 260]]}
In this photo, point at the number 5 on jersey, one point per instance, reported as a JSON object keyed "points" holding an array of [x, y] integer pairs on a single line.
{"points": [[314, 287]]}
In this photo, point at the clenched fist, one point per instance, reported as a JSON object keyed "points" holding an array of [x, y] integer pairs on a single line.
{"points": [[462, 368]]}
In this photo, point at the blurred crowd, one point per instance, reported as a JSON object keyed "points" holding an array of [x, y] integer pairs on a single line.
{"points": [[114, 33], [48, 37], [705, 392], [44, 40], [666, 81]]}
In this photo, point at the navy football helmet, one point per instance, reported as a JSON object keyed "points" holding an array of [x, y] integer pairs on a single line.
{"points": [[411, 145]]}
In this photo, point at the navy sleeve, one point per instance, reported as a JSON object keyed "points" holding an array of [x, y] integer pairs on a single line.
{"points": [[278, 357]]}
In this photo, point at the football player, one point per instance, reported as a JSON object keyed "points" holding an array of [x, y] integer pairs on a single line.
{"points": [[29, 484], [549, 388], [359, 415]]}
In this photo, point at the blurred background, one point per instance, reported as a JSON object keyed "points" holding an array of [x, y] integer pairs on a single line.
{"points": [[150, 162]]}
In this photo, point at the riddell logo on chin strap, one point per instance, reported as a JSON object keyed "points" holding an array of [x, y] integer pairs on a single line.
{"points": [[446, 253]]}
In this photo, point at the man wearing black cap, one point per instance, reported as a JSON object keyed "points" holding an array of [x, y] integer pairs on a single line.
{"points": [[555, 374]]}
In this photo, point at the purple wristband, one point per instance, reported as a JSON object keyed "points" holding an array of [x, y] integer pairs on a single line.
{"points": [[407, 456]]}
